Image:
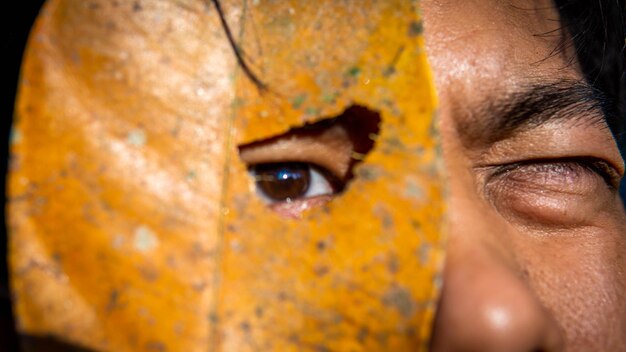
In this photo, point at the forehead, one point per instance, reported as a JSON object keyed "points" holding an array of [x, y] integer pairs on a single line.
{"points": [[500, 44]]}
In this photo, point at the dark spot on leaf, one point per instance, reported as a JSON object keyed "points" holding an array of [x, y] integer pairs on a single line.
{"points": [[410, 332], [393, 264], [297, 102], [416, 224], [415, 28], [390, 70], [199, 286], [113, 300], [353, 71], [156, 346], [329, 97], [363, 333], [368, 173], [149, 274], [401, 300], [282, 296], [213, 318], [245, 326], [384, 215], [311, 111], [423, 253], [382, 338], [258, 312], [321, 270]]}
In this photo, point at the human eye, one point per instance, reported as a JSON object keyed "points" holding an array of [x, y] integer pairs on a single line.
{"points": [[289, 182], [558, 192], [566, 174], [309, 165]]}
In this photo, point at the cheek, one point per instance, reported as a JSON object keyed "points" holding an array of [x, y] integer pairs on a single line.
{"points": [[577, 274], [579, 278]]}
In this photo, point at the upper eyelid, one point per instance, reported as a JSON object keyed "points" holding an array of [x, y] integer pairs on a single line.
{"points": [[598, 166], [312, 151], [583, 160], [561, 138], [313, 165]]}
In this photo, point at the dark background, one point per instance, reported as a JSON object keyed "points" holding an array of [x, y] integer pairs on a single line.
{"points": [[17, 18]]}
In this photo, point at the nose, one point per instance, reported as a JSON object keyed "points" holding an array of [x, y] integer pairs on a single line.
{"points": [[487, 306]]}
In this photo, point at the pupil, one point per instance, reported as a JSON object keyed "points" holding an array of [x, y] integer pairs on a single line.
{"points": [[283, 181]]}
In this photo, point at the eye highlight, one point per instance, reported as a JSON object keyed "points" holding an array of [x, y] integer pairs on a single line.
{"points": [[291, 181]]}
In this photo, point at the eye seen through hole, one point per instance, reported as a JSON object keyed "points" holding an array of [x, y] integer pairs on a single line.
{"points": [[309, 165], [285, 182]]}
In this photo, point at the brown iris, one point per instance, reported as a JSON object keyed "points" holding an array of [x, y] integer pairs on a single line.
{"points": [[283, 181]]}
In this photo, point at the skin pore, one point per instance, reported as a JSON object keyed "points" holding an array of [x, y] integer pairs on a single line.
{"points": [[536, 242]]}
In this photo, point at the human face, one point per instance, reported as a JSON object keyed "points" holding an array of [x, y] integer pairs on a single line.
{"points": [[535, 242], [537, 248]]}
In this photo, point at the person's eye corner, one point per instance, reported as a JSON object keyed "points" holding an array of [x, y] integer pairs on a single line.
{"points": [[310, 165]]}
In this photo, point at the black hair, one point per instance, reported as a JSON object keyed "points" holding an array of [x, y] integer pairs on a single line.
{"points": [[597, 32], [596, 29]]}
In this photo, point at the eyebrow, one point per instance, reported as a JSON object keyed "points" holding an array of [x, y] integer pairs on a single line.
{"points": [[531, 107]]}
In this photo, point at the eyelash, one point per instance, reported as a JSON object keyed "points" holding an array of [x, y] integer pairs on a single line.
{"points": [[569, 168], [574, 164]]}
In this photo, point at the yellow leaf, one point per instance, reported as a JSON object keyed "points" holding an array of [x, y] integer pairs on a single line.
{"points": [[135, 226]]}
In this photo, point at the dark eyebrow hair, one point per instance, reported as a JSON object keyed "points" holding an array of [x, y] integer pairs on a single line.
{"points": [[531, 107]]}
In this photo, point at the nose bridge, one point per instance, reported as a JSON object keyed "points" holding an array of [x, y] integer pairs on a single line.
{"points": [[486, 305]]}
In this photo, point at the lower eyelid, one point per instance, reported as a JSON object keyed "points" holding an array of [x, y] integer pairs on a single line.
{"points": [[295, 209]]}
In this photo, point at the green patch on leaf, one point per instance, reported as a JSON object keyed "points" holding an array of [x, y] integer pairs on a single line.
{"points": [[354, 71], [297, 102]]}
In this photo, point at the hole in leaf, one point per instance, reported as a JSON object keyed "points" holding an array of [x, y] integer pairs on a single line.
{"points": [[310, 164]]}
